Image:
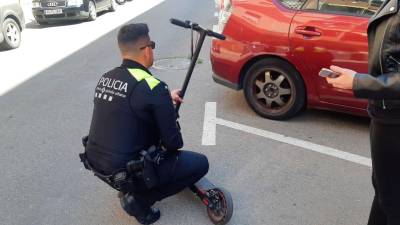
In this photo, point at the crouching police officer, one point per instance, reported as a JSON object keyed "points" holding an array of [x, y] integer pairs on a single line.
{"points": [[134, 111]]}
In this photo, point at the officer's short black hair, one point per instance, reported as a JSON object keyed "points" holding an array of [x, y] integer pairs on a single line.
{"points": [[132, 35]]}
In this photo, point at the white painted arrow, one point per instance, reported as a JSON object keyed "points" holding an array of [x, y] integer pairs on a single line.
{"points": [[209, 137]]}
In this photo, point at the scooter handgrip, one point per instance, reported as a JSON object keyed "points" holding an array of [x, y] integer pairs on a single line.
{"points": [[216, 35], [179, 23]]}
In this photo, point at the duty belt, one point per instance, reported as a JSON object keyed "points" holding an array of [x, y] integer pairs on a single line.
{"points": [[115, 180]]}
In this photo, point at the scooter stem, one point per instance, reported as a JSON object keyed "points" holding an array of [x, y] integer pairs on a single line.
{"points": [[189, 73]]}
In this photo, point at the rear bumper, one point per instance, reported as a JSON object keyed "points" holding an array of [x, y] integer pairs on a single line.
{"points": [[227, 59], [219, 80], [72, 13]]}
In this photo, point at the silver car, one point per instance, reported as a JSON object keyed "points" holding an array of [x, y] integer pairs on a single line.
{"points": [[12, 22]]}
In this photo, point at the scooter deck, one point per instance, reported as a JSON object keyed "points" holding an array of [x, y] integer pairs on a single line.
{"points": [[204, 184]]}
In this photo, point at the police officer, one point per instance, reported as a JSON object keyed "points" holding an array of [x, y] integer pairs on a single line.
{"points": [[133, 111], [382, 87]]}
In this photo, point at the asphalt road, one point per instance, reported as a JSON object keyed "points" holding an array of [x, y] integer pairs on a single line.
{"points": [[43, 119]]}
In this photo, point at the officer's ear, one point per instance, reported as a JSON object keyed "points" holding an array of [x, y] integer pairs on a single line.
{"points": [[149, 53]]}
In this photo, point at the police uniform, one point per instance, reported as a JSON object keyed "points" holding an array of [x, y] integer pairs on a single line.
{"points": [[133, 111]]}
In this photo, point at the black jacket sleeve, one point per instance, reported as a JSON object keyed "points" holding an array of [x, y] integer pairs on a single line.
{"points": [[386, 86], [164, 113]]}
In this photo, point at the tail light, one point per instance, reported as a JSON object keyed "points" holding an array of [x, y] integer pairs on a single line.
{"points": [[225, 11]]}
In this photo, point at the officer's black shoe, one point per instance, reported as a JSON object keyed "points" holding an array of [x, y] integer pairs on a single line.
{"points": [[152, 217], [144, 215]]}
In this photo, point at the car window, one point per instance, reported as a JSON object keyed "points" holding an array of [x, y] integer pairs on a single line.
{"points": [[347, 7], [293, 4]]}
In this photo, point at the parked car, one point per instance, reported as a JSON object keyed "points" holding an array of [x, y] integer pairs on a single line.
{"points": [[46, 11], [275, 49], [12, 23]]}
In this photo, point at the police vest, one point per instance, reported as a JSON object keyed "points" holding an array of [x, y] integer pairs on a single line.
{"points": [[115, 128]]}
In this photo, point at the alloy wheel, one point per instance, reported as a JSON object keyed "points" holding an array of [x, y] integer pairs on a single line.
{"points": [[272, 89], [13, 34]]}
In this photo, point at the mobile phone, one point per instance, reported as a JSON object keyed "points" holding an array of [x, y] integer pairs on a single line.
{"points": [[328, 73]]}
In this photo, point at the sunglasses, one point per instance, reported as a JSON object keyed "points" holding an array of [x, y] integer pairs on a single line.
{"points": [[152, 45]]}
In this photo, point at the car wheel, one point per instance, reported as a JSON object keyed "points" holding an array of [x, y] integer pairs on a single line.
{"points": [[274, 89], [112, 6], [120, 2], [92, 11], [42, 22], [11, 33]]}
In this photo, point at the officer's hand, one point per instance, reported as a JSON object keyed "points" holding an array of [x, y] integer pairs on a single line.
{"points": [[175, 95]]}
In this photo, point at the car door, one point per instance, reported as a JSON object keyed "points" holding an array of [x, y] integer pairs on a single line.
{"points": [[332, 32]]}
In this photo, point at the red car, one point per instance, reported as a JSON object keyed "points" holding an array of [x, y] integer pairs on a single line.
{"points": [[275, 49]]}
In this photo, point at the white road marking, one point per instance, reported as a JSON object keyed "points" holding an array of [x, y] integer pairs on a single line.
{"points": [[42, 47], [209, 136], [209, 127]]}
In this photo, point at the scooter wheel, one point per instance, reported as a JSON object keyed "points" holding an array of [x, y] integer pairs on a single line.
{"points": [[220, 207]]}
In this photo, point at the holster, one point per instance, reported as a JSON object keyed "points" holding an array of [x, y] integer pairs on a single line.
{"points": [[143, 168]]}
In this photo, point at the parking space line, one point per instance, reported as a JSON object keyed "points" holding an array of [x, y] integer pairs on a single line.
{"points": [[212, 121], [209, 127]]}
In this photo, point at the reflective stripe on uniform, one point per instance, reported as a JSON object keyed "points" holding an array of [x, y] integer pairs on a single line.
{"points": [[140, 75]]}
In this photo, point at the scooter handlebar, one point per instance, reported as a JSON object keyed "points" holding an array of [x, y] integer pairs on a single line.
{"points": [[188, 24], [216, 35], [180, 23]]}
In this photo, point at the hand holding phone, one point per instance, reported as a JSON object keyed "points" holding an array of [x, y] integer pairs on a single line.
{"points": [[328, 73]]}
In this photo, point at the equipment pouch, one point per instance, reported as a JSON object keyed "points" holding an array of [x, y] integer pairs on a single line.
{"points": [[152, 158], [150, 176]]}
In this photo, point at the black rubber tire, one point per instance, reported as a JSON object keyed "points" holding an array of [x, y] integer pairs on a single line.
{"points": [[42, 22], [294, 102], [228, 202], [113, 6], [8, 44], [92, 15], [120, 2]]}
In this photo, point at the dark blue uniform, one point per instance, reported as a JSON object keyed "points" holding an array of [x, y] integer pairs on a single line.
{"points": [[133, 111]]}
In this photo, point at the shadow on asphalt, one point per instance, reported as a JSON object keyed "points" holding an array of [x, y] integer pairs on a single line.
{"points": [[235, 102], [312, 115]]}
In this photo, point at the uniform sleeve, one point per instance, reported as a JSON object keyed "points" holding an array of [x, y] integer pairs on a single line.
{"points": [[386, 86], [165, 116]]}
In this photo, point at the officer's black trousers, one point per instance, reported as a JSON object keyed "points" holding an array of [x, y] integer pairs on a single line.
{"points": [[177, 171], [385, 153]]}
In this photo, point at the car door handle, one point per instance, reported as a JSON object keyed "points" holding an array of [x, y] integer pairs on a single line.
{"points": [[308, 31]]}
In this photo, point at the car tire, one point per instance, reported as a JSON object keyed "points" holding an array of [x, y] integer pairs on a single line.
{"points": [[112, 6], [274, 89], [92, 11], [12, 34], [120, 2], [42, 22]]}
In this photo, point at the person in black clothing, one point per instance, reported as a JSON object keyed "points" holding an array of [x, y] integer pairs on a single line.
{"points": [[132, 112], [382, 87]]}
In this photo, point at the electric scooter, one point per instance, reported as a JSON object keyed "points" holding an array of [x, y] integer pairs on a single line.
{"points": [[217, 200]]}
